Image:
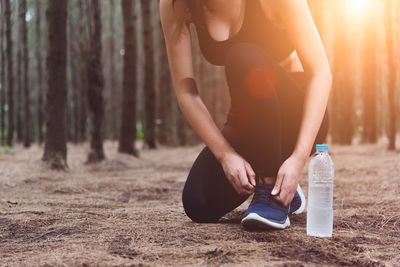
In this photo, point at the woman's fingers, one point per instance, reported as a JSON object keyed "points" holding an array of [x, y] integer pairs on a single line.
{"points": [[278, 184], [244, 180], [285, 195], [278, 198], [250, 173], [236, 184], [282, 196], [239, 173], [247, 188]]}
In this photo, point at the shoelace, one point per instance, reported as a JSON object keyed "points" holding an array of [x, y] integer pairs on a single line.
{"points": [[261, 195]]}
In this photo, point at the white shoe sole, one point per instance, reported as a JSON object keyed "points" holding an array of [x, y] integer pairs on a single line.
{"points": [[303, 201], [253, 220]]}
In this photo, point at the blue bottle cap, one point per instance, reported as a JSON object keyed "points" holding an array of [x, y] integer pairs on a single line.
{"points": [[321, 147]]}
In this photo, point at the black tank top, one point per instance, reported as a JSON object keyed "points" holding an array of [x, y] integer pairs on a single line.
{"points": [[256, 28]]}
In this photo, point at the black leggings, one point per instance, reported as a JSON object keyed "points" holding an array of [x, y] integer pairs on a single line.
{"points": [[262, 126]]}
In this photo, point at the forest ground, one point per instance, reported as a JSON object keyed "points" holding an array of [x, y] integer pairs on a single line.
{"points": [[128, 211]]}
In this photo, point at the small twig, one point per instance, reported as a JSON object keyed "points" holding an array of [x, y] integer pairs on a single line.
{"points": [[22, 212], [43, 234]]}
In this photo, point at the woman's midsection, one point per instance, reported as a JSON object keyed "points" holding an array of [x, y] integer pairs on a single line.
{"points": [[243, 109]]}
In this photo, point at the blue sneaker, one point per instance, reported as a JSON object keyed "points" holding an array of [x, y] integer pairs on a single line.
{"points": [[298, 203], [264, 211]]}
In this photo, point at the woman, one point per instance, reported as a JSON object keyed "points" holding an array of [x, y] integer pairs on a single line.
{"points": [[279, 82]]}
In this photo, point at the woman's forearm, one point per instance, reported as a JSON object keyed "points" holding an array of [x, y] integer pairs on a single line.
{"points": [[315, 103], [201, 121]]}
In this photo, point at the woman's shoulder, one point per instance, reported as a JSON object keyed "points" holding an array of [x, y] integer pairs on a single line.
{"points": [[272, 10], [277, 11], [282, 7]]}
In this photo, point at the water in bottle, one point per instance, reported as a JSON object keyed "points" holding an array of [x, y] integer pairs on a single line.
{"points": [[320, 193]]}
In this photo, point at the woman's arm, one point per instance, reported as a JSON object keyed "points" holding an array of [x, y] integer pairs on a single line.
{"points": [[298, 22], [178, 42]]}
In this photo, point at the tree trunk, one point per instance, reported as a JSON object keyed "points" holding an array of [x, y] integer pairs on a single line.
{"points": [[342, 86], [347, 85], [2, 74], [82, 70], [74, 57], [55, 150], [69, 110], [96, 86], [181, 125], [27, 111], [83, 109], [76, 100], [113, 85], [19, 80], [128, 120], [369, 88], [149, 89], [391, 56], [335, 115], [10, 78], [39, 48], [165, 100]]}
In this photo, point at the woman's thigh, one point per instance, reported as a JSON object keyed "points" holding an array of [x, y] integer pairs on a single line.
{"points": [[255, 79]]}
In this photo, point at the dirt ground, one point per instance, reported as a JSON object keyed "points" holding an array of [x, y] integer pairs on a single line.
{"points": [[128, 211]]}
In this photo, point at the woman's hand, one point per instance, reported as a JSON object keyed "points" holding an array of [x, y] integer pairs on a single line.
{"points": [[287, 180], [239, 173]]}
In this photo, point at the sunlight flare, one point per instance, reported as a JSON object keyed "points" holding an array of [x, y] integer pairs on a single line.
{"points": [[358, 8]]}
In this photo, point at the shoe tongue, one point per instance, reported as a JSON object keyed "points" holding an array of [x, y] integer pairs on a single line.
{"points": [[262, 194], [268, 187], [265, 187]]}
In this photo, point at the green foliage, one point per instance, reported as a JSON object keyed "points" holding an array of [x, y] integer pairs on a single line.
{"points": [[9, 150], [139, 130]]}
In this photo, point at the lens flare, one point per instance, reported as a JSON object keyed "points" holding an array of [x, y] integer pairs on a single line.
{"points": [[261, 82], [358, 8]]}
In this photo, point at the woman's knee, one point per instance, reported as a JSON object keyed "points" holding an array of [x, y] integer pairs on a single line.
{"points": [[197, 209]]}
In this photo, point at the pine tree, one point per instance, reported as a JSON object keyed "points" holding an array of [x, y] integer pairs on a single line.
{"points": [[40, 89], [165, 133], [149, 88], [343, 89], [392, 66], [96, 86], [369, 87], [55, 150], [128, 117], [2, 73], [10, 76], [25, 56], [113, 85]]}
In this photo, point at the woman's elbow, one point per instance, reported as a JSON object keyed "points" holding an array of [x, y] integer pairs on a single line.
{"points": [[329, 78], [326, 76]]}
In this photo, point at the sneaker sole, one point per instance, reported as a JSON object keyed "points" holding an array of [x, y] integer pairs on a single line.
{"points": [[255, 221], [303, 201]]}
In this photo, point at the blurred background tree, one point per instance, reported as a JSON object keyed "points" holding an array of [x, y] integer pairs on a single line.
{"points": [[118, 85]]}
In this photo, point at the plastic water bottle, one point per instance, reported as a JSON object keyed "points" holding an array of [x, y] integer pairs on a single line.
{"points": [[320, 193]]}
